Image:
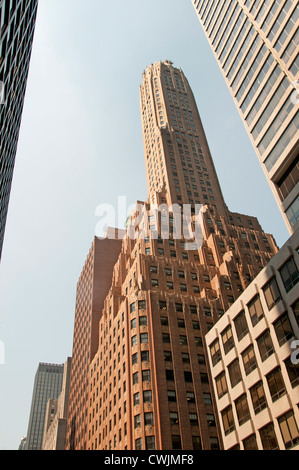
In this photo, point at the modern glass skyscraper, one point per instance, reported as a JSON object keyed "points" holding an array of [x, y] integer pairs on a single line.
{"points": [[255, 43], [17, 23], [47, 384]]}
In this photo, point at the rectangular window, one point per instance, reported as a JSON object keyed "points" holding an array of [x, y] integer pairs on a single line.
{"points": [[150, 442], [293, 372], [215, 352], [258, 397], [255, 310], [148, 419], [272, 294], [265, 345], [268, 437], [283, 329], [276, 384], [289, 429], [143, 338], [228, 420], [242, 409], [241, 325], [250, 443], [221, 384], [249, 360], [227, 339], [289, 274], [234, 372], [171, 395]]}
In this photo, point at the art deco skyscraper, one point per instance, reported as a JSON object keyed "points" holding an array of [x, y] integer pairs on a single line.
{"points": [[47, 384], [149, 385], [17, 23], [255, 43]]}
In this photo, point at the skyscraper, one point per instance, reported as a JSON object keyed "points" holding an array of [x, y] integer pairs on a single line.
{"points": [[17, 23], [149, 385], [255, 43], [47, 384], [92, 288]]}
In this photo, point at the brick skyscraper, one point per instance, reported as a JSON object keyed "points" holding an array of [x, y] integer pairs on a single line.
{"points": [[17, 23], [149, 383], [255, 44]]}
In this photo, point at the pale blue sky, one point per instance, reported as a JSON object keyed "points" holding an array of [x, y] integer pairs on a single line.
{"points": [[80, 140]]}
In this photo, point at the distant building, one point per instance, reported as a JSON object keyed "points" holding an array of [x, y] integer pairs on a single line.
{"points": [[254, 359], [255, 44], [56, 415], [47, 384], [17, 24], [22, 444]]}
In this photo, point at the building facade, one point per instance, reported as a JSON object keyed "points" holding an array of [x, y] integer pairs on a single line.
{"points": [[47, 384], [149, 381], [93, 285], [56, 415], [254, 359], [255, 43], [17, 23]]}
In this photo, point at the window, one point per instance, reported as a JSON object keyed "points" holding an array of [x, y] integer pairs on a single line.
{"points": [[283, 329], [144, 356], [167, 272], [293, 372], [186, 358], [171, 395], [134, 340], [165, 337], [289, 429], [176, 442], [181, 323], [249, 360], [211, 420], [137, 421], [162, 305], [146, 376], [164, 321], [258, 397], [221, 384], [228, 420], [169, 375], [272, 294], [143, 321], [215, 352], [174, 417], [241, 325], [276, 384], [188, 376], [190, 397], [135, 378], [183, 339], [135, 358], [148, 419], [234, 372], [143, 338], [133, 323], [295, 308], [196, 442], [141, 304], [268, 437], [193, 419], [132, 307], [150, 442], [136, 399], [207, 399], [167, 356], [242, 409], [255, 310], [289, 274], [195, 325], [138, 444], [179, 307], [250, 443], [155, 282], [265, 345], [227, 339], [153, 269]]}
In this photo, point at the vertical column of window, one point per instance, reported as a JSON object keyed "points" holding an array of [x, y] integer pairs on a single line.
{"points": [[276, 125], [283, 142], [251, 72], [223, 24], [245, 30], [279, 20], [270, 108], [245, 64], [286, 35], [216, 19], [212, 9], [261, 21], [229, 32], [268, 87]]}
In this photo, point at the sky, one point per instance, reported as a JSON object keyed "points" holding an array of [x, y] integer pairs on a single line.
{"points": [[80, 146]]}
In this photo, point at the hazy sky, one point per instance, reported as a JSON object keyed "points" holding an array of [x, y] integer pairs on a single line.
{"points": [[81, 146]]}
